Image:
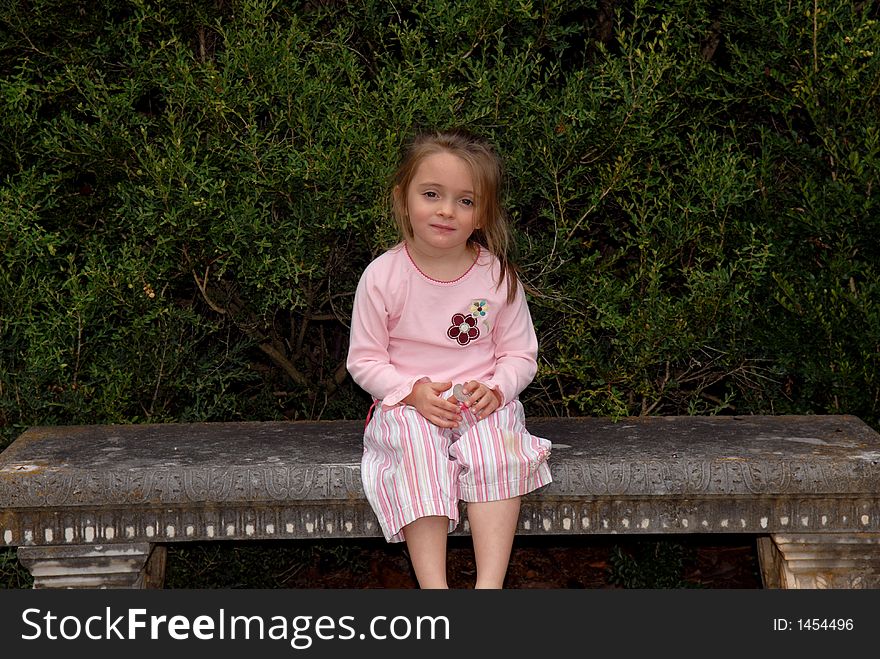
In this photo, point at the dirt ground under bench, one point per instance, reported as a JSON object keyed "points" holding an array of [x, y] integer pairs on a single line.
{"points": [[544, 562]]}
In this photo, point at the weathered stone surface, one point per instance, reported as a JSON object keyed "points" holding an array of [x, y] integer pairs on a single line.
{"points": [[179, 482]]}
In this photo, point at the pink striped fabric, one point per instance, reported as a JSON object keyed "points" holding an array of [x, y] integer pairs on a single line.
{"points": [[412, 468]]}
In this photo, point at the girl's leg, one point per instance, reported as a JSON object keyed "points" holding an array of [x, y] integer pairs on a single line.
{"points": [[493, 526], [426, 543], [406, 471], [501, 461]]}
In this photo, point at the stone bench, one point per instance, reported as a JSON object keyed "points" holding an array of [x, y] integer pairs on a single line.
{"points": [[96, 506]]}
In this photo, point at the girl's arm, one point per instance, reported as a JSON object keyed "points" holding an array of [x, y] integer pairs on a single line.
{"points": [[368, 361], [516, 349]]}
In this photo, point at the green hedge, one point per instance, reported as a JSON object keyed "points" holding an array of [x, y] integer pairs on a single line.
{"points": [[188, 194]]}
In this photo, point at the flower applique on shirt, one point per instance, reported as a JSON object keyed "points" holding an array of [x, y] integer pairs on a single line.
{"points": [[464, 327], [478, 308]]}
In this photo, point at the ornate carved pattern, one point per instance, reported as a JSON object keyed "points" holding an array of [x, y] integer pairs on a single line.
{"points": [[343, 482], [209, 485], [542, 513], [630, 478]]}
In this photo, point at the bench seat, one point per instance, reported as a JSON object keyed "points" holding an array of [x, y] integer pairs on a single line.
{"points": [[96, 506]]}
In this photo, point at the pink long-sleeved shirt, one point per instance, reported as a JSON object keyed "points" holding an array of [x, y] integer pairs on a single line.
{"points": [[407, 328]]}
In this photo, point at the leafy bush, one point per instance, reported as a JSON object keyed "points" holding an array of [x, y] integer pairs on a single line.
{"points": [[13, 575], [651, 564], [253, 565], [190, 193]]}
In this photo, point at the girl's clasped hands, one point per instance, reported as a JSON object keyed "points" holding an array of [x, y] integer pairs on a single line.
{"points": [[446, 413]]}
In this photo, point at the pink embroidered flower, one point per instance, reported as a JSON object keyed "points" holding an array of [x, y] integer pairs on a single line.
{"points": [[463, 329]]}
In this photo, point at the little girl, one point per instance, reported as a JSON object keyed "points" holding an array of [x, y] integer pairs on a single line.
{"points": [[442, 339]]}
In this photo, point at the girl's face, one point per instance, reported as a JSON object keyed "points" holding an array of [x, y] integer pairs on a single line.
{"points": [[441, 203]]}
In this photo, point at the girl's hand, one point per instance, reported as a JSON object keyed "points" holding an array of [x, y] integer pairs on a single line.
{"points": [[425, 397], [482, 400]]}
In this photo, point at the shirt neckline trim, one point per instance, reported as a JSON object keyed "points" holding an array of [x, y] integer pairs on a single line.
{"points": [[443, 281]]}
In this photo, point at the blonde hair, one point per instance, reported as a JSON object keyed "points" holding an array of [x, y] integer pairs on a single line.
{"points": [[493, 228]]}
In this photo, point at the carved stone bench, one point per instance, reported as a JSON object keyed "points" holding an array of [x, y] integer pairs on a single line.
{"points": [[96, 506]]}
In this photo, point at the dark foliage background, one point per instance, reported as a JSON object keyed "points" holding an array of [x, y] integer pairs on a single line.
{"points": [[189, 191]]}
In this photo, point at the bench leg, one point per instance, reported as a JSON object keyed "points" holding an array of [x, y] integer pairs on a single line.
{"points": [[820, 560], [140, 565]]}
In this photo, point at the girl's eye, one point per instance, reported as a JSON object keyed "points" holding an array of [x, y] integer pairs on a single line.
{"points": [[467, 202], [430, 194]]}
